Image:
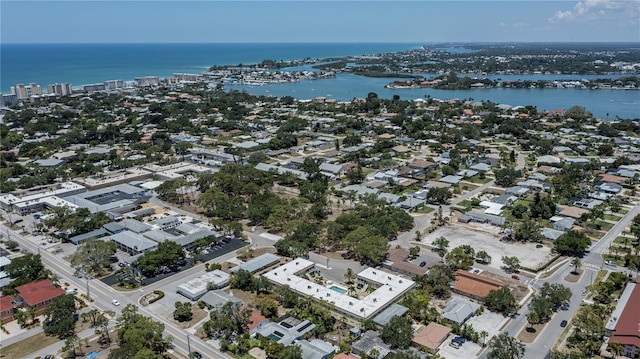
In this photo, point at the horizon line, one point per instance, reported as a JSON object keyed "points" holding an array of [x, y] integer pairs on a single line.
{"points": [[319, 42]]}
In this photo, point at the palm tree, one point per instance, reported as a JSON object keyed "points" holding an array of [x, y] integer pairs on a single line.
{"points": [[349, 275], [577, 263], [483, 334], [615, 348]]}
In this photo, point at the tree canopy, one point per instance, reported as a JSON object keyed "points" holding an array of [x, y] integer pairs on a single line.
{"points": [[58, 317], [398, 332]]}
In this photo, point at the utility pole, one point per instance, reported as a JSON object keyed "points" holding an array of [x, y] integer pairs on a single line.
{"points": [[88, 292], [189, 345]]}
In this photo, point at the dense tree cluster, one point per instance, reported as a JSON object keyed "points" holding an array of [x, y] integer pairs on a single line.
{"points": [[72, 222], [168, 255], [572, 243], [93, 256], [139, 337]]}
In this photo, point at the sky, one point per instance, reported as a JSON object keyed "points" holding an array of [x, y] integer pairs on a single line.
{"points": [[26, 21]]}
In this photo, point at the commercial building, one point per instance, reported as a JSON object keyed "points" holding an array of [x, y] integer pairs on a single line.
{"points": [[475, 286], [624, 324], [261, 262], [41, 199], [197, 287], [388, 288]]}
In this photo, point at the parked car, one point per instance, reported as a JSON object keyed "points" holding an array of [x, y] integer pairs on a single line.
{"points": [[423, 263], [515, 277], [195, 355], [456, 345], [115, 302], [539, 246], [459, 339], [476, 271], [563, 323]]}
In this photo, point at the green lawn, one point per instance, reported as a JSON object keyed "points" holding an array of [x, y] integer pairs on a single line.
{"points": [[621, 239], [605, 226], [523, 202], [611, 217], [27, 346], [424, 209], [476, 179]]}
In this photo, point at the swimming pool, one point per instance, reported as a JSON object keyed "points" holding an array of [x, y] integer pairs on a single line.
{"points": [[338, 289]]}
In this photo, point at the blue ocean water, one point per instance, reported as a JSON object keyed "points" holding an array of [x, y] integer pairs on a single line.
{"points": [[82, 64]]}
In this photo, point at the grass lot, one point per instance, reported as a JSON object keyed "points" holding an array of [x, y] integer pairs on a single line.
{"points": [[35, 343], [424, 209], [611, 217], [605, 226], [523, 202], [477, 179], [621, 239], [27, 346]]}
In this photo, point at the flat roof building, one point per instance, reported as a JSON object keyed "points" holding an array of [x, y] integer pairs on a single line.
{"points": [[258, 263], [197, 287], [389, 287]]}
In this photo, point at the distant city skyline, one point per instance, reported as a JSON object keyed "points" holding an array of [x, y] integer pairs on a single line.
{"points": [[319, 21]]}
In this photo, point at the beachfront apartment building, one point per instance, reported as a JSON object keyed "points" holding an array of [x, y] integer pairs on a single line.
{"points": [[147, 81], [60, 89], [23, 92]]}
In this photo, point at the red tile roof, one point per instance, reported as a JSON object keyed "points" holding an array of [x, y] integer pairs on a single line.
{"points": [[38, 292], [627, 330], [254, 319], [475, 285], [6, 303], [431, 336]]}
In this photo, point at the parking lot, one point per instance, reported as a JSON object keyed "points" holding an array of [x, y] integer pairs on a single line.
{"points": [[485, 237], [466, 350]]}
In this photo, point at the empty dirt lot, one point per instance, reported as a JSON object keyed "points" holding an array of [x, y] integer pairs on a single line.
{"points": [[486, 237]]}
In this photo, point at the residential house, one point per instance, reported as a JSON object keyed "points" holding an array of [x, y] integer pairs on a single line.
{"points": [[564, 224], [481, 167], [331, 170], [6, 309], [286, 331], [475, 216], [452, 180], [368, 341], [256, 322], [422, 165], [459, 310], [37, 295], [431, 336], [316, 349], [551, 234]]}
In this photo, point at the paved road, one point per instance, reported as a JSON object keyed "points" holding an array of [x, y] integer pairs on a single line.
{"points": [[104, 294], [592, 262]]}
